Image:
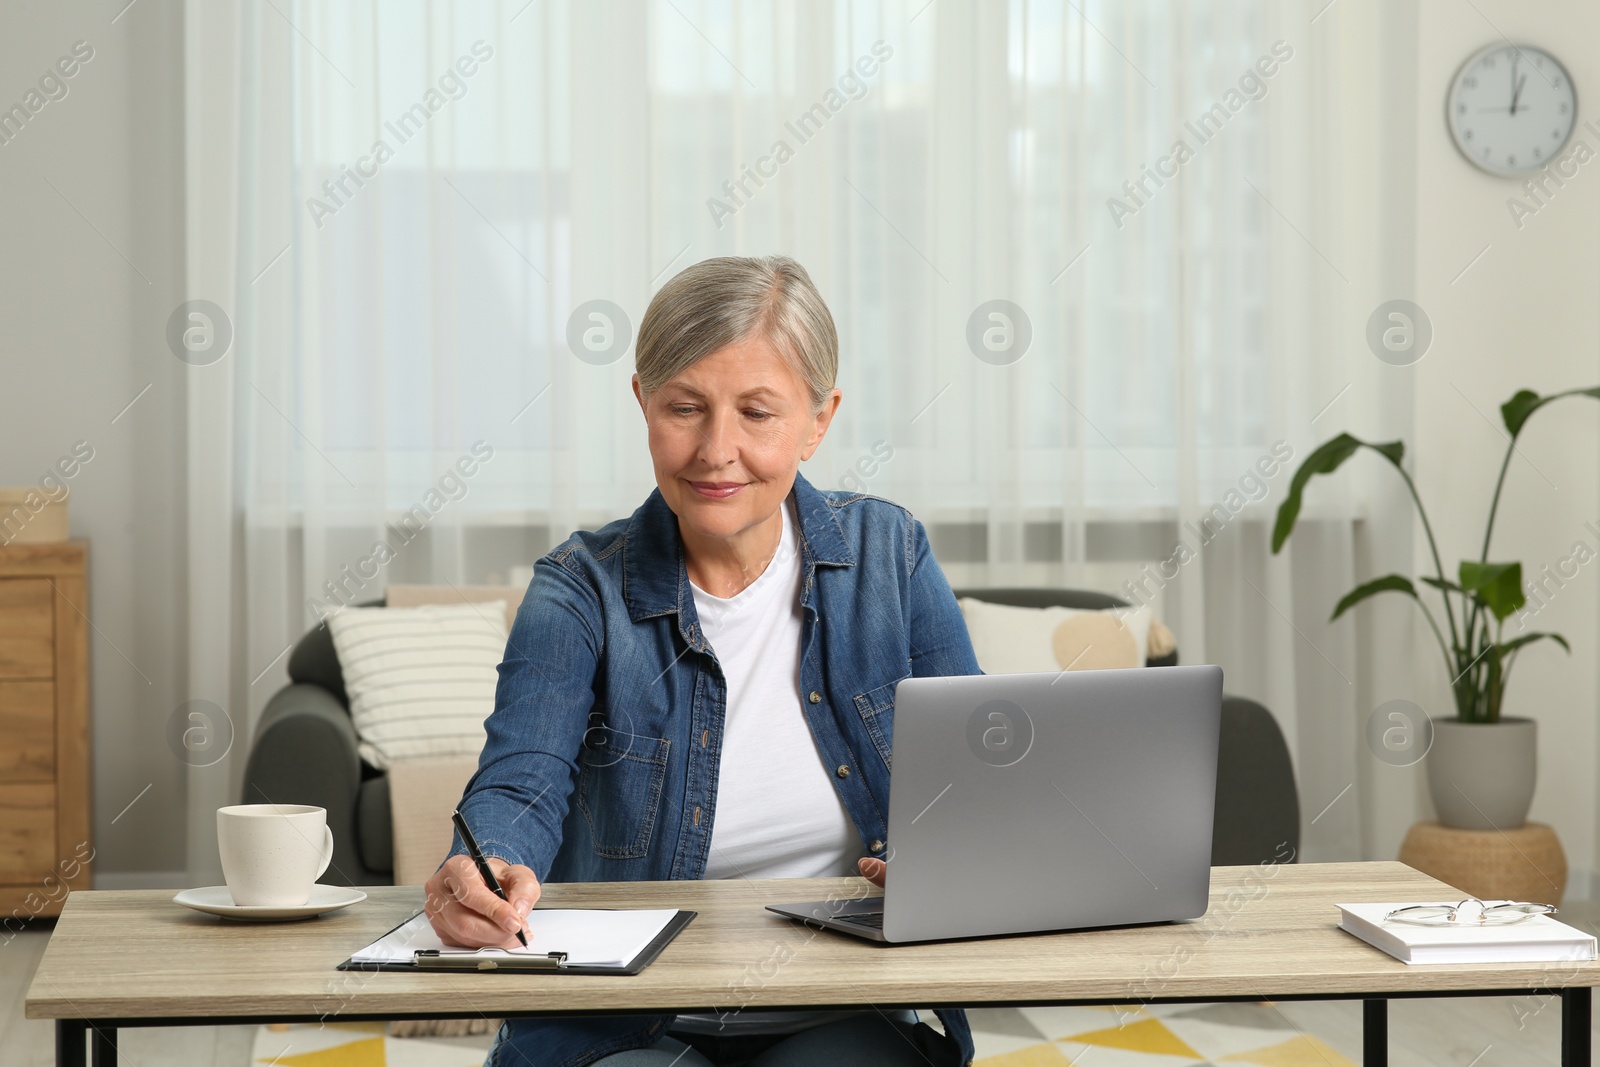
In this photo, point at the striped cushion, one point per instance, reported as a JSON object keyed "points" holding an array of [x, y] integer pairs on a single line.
{"points": [[421, 680]]}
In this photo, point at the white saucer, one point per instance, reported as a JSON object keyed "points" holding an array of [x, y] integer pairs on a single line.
{"points": [[216, 900]]}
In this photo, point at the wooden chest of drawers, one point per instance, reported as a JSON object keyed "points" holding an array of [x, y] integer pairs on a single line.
{"points": [[44, 728]]}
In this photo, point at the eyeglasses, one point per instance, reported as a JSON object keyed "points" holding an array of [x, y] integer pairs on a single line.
{"points": [[1470, 912]]}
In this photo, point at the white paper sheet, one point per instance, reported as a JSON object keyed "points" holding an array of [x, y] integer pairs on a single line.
{"points": [[589, 937]]}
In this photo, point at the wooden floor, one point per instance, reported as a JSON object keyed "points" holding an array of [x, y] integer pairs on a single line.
{"points": [[1466, 1032]]}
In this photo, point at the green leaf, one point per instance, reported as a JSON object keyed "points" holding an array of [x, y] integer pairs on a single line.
{"points": [[1520, 407], [1437, 584], [1498, 586], [1389, 583], [1326, 459], [1516, 410], [1516, 643], [1393, 451]]}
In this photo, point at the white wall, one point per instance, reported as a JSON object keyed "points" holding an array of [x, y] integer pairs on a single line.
{"points": [[1526, 315], [81, 333]]}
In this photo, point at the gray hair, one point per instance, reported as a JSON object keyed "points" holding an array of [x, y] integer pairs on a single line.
{"points": [[719, 302]]}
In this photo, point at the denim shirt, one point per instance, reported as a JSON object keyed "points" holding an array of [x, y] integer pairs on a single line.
{"points": [[602, 751]]}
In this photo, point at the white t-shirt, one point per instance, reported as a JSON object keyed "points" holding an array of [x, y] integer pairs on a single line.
{"points": [[777, 814]]}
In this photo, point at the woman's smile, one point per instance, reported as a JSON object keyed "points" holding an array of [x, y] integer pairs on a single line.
{"points": [[717, 490]]}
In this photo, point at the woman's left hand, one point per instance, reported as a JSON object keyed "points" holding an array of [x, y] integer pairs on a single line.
{"points": [[872, 870]]}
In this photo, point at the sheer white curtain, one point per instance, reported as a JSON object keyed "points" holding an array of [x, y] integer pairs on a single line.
{"points": [[426, 192]]}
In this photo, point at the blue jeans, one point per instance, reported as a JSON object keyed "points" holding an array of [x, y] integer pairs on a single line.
{"points": [[891, 1039]]}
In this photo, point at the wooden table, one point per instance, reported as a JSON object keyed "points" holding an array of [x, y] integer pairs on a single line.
{"points": [[134, 958]]}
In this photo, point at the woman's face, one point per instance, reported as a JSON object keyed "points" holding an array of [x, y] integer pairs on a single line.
{"points": [[728, 434]]}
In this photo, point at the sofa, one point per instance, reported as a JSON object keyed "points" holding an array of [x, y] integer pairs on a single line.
{"points": [[304, 749]]}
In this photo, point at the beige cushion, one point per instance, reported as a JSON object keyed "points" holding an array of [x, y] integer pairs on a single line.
{"points": [[1161, 642], [1013, 640], [410, 596], [422, 794]]}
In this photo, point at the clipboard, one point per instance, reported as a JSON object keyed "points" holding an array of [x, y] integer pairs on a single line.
{"points": [[549, 963]]}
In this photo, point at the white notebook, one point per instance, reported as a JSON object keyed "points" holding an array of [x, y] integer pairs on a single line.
{"points": [[589, 937], [1540, 939]]}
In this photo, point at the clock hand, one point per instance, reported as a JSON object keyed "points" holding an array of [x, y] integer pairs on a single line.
{"points": [[1517, 93], [1514, 86]]}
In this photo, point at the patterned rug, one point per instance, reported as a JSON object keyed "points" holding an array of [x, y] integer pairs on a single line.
{"points": [[1169, 1035], [361, 1045]]}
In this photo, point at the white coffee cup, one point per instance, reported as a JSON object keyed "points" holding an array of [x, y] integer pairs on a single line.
{"points": [[272, 854]]}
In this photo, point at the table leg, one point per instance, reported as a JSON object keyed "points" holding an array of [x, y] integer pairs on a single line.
{"points": [[1575, 1010], [70, 1043], [1375, 1033], [103, 1046]]}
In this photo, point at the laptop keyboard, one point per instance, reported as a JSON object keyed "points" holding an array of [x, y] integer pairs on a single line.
{"points": [[870, 919]]}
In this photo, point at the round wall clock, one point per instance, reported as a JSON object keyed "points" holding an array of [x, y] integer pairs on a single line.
{"points": [[1511, 108]]}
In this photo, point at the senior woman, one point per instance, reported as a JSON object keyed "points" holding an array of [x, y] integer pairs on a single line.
{"points": [[705, 689]]}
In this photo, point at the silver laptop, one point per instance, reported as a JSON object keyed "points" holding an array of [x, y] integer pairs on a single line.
{"points": [[1030, 802]]}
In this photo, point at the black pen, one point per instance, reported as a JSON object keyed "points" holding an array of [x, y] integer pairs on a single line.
{"points": [[483, 865]]}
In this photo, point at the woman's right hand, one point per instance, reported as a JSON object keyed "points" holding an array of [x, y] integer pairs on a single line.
{"points": [[465, 912]]}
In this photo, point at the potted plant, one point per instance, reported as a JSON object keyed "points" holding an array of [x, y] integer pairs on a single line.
{"points": [[1482, 764]]}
